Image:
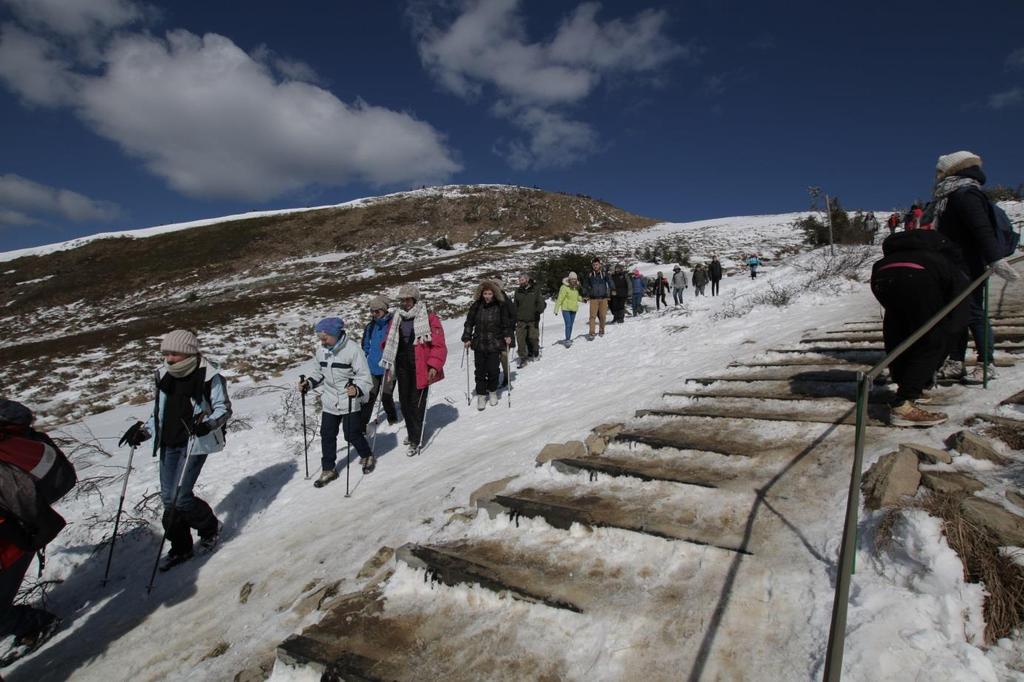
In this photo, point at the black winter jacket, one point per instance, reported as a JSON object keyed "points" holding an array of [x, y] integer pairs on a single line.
{"points": [[715, 271], [487, 325], [967, 222], [620, 285]]}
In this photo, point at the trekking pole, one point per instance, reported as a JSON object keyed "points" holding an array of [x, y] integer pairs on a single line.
{"points": [[540, 346], [376, 414], [117, 518], [509, 386], [469, 395], [174, 504], [423, 422], [305, 440], [348, 445]]}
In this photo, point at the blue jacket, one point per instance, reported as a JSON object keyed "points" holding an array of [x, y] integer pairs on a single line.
{"points": [[216, 409], [373, 343], [639, 285], [599, 284]]}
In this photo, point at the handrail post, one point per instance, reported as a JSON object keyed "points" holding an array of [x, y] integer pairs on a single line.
{"points": [[848, 549], [986, 340]]}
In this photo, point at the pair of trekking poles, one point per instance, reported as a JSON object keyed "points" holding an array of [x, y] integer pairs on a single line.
{"points": [[348, 446], [469, 389], [170, 520]]}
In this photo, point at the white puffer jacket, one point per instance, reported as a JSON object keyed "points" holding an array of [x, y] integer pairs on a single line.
{"points": [[333, 369]]}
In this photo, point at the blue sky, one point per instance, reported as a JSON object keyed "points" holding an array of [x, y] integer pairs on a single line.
{"points": [[117, 114]]}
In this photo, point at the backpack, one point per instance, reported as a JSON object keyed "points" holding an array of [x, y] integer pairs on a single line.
{"points": [[53, 472], [1007, 239]]}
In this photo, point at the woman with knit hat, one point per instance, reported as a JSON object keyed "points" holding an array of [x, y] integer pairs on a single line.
{"points": [[960, 211], [190, 411], [340, 367], [414, 354], [488, 329], [373, 346], [568, 302]]}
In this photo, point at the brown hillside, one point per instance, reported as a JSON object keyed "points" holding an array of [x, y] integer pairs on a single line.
{"points": [[474, 215]]}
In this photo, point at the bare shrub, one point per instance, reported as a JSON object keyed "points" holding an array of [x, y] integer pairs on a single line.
{"points": [[777, 295], [847, 263], [736, 306]]}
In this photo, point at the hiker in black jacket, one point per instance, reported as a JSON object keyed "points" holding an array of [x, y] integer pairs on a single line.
{"points": [[489, 327], [715, 274], [960, 212], [620, 294], [916, 277]]}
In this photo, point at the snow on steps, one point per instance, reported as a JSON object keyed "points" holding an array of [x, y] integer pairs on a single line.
{"points": [[520, 592]]}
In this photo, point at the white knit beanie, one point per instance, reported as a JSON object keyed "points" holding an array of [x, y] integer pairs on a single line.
{"points": [[955, 162], [180, 341], [409, 291]]}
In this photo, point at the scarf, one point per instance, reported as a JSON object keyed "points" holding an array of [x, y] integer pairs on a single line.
{"points": [[421, 332], [182, 369], [943, 189]]}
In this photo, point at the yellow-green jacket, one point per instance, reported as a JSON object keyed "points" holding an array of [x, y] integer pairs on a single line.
{"points": [[568, 299]]}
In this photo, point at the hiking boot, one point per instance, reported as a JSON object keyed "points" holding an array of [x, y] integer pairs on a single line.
{"points": [[925, 399], [520, 363], [207, 543], [326, 476], [481, 402], [413, 451], [951, 370], [173, 559], [907, 413], [492, 398], [369, 464], [34, 628], [975, 376], [392, 420]]}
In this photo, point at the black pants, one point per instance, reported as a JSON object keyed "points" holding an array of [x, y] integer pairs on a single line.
{"points": [[976, 328], [617, 304], [714, 287], [910, 297], [486, 371], [387, 399], [659, 299], [413, 402], [10, 581]]}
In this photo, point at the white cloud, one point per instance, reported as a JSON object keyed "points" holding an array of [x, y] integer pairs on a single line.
{"points": [[1016, 59], [33, 69], [1006, 99], [77, 17], [554, 141], [21, 199], [485, 46], [214, 121]]}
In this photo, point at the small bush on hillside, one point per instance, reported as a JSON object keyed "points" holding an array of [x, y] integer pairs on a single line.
{"points": [[777, 295], [550, 272], [443, 243], [1004, 193], [844, 231]]}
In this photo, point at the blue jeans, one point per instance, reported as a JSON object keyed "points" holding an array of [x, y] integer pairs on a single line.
{"points": [[569, 316], [637, 305], [352, 427], [171, 461]]}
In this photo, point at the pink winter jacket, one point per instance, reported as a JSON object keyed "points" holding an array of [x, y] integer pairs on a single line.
{"points": [[431, 354]]}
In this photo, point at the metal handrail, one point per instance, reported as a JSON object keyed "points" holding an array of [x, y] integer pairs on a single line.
{"points": [[848, 549]]}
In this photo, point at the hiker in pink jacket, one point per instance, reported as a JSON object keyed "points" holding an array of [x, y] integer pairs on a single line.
{"points": [[414, 350]]}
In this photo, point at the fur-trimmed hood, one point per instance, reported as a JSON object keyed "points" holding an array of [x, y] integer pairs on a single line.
{"points": [[494, 286]]}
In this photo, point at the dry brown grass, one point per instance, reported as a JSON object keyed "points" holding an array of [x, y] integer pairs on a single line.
{"points": [[979, 552]]}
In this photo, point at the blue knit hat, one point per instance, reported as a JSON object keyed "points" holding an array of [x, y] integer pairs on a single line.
{"points": [[334, 326], [12, 412]]}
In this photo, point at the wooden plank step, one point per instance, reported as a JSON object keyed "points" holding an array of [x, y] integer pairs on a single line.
{"points": [[761, 410], [819, 373], [1007, 336], [1010, 323], [1007, 346], [429, 633], [672, 511], [1001, 421], [743, 438], [793, 359], [786, 390], [644, 469], [492, 566]]}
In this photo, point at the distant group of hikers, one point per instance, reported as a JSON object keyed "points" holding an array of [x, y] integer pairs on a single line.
{"points": [[944, 247]]}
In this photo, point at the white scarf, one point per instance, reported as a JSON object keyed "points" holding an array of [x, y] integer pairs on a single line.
{"points": [[182, 369], [943, 189], [421, 332]]}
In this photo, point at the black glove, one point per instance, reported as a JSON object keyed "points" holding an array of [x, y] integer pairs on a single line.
{"points": [[201, 428], [135, 435]]}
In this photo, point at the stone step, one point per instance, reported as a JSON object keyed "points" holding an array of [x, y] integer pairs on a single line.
{"points": [[536, 578], [672, 511]]}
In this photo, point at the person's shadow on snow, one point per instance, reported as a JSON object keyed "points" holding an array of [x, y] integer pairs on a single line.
{"points": [[128, 605], [438, 416]]}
